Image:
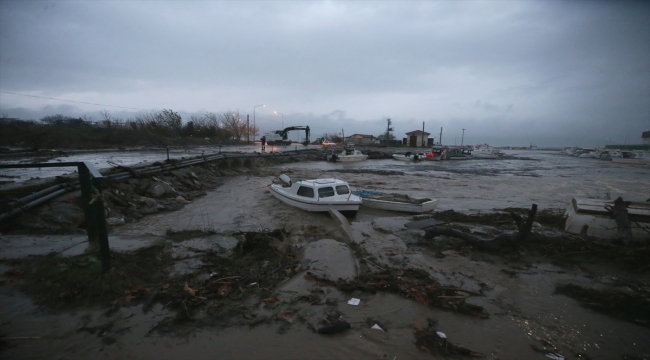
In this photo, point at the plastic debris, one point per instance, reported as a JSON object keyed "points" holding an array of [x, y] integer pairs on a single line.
{"points": [[554, 356], [441, 335], [377, 327], [354, 301]]}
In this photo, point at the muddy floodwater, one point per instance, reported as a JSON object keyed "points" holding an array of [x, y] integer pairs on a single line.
{"points": [[525, 315]]}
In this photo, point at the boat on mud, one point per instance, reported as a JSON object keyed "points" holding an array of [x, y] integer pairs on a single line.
{"points": [[349, 154], [637, 157], [410, 156], [593, 217], [319, 195], [459, 153], [485, 151], [395, 202], [437, 153]]}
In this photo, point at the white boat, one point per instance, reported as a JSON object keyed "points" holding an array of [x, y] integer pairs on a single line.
{"points": [[588, 153], [485, 151], [591, 217], [633, 158], [569, 150], [409, 156], [437, 153], [395, 202], [459, 153], [316, 195], [349, 154]]}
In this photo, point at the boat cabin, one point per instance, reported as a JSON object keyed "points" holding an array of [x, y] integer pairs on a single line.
{"points": [[321, 188]]}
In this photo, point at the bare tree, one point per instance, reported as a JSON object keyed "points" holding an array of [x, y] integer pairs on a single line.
{"points": [[233, 123]]}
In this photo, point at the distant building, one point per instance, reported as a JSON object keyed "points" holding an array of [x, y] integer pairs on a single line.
{"points": [[361, 139], [417, 138], [646, 137]]}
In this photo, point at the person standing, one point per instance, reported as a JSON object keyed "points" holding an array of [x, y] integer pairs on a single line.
{"points": [[263, 140]]}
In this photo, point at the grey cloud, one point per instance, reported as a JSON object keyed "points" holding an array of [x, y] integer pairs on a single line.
{"points": [[582, 63]]}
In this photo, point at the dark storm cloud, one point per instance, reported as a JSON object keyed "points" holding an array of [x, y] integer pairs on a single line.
{"points": [[552, 73]]}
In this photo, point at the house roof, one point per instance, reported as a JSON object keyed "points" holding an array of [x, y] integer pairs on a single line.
{"points": [[360, 136], [418, 132], [645, 134]]}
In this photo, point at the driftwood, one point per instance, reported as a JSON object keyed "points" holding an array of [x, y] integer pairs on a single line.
{"points": [[509, 238], [619, 213]]}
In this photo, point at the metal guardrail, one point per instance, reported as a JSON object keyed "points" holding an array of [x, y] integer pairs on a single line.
{"points": [[90, 181]]}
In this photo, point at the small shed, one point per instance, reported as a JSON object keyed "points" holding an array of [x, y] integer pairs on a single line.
{"points": [[418, 138], [361, 139], [646, 137]]}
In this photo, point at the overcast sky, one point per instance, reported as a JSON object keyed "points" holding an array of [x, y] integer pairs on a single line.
{"points": [[551, 73]]}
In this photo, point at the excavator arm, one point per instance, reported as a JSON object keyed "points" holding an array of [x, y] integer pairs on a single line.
{"points": [[284, 132]]}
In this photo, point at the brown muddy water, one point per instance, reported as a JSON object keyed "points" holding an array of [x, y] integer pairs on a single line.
{"points": [[517, 290]]}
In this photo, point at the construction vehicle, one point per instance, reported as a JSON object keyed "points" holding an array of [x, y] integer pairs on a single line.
{"points": [[279, 137]]}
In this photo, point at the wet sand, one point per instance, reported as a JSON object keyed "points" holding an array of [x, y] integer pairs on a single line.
{"points": [[523, 309]]}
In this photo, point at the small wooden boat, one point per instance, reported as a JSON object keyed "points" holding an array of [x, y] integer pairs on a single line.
{"points": [[592, 217], [395, 202], [316, 195]]}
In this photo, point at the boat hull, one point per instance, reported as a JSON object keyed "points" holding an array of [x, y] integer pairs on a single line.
{"points": [[383, 201], [400, 206], [351, 158], [347, 208], [640, 162], [591, 217], [409, 157]]}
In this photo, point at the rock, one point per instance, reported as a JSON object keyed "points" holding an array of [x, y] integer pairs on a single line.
{"points": [[159, 189], [112, 221], [58, 215]]}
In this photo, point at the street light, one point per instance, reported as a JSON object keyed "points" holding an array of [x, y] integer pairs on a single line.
{"points": [[463, 138], [254, 128], [282, 118]]}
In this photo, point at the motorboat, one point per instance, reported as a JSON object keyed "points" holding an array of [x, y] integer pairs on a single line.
{"points": [[485, 151], [589, 153], [637, 157], [459, 153], [410, 156], [349, 154], [437, 153], [318, 195], [593, 218], [395, 202]]}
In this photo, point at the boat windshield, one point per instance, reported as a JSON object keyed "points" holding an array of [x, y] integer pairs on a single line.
{"points": [[325, 191], [305, 191], [342, 190]]}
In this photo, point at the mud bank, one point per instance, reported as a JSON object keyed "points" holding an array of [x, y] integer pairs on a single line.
{"points": [[231, 268]]}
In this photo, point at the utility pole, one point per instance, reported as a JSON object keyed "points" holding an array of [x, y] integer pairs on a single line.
{"points": [[463, 138], [388, 130], [423, 144], [440, 136], [248, 131]]}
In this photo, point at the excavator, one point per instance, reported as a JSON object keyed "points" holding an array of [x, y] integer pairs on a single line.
{"points": [[279, 137]]}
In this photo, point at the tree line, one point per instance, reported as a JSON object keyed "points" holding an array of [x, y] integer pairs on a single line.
{"points": [[164, 127]]}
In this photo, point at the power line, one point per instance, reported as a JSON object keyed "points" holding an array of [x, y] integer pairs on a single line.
{"points": [[87, 103], [72, 101]]}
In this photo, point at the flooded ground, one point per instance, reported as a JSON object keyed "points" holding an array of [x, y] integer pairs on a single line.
{"points": [[110, 158], [526, 319]]}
